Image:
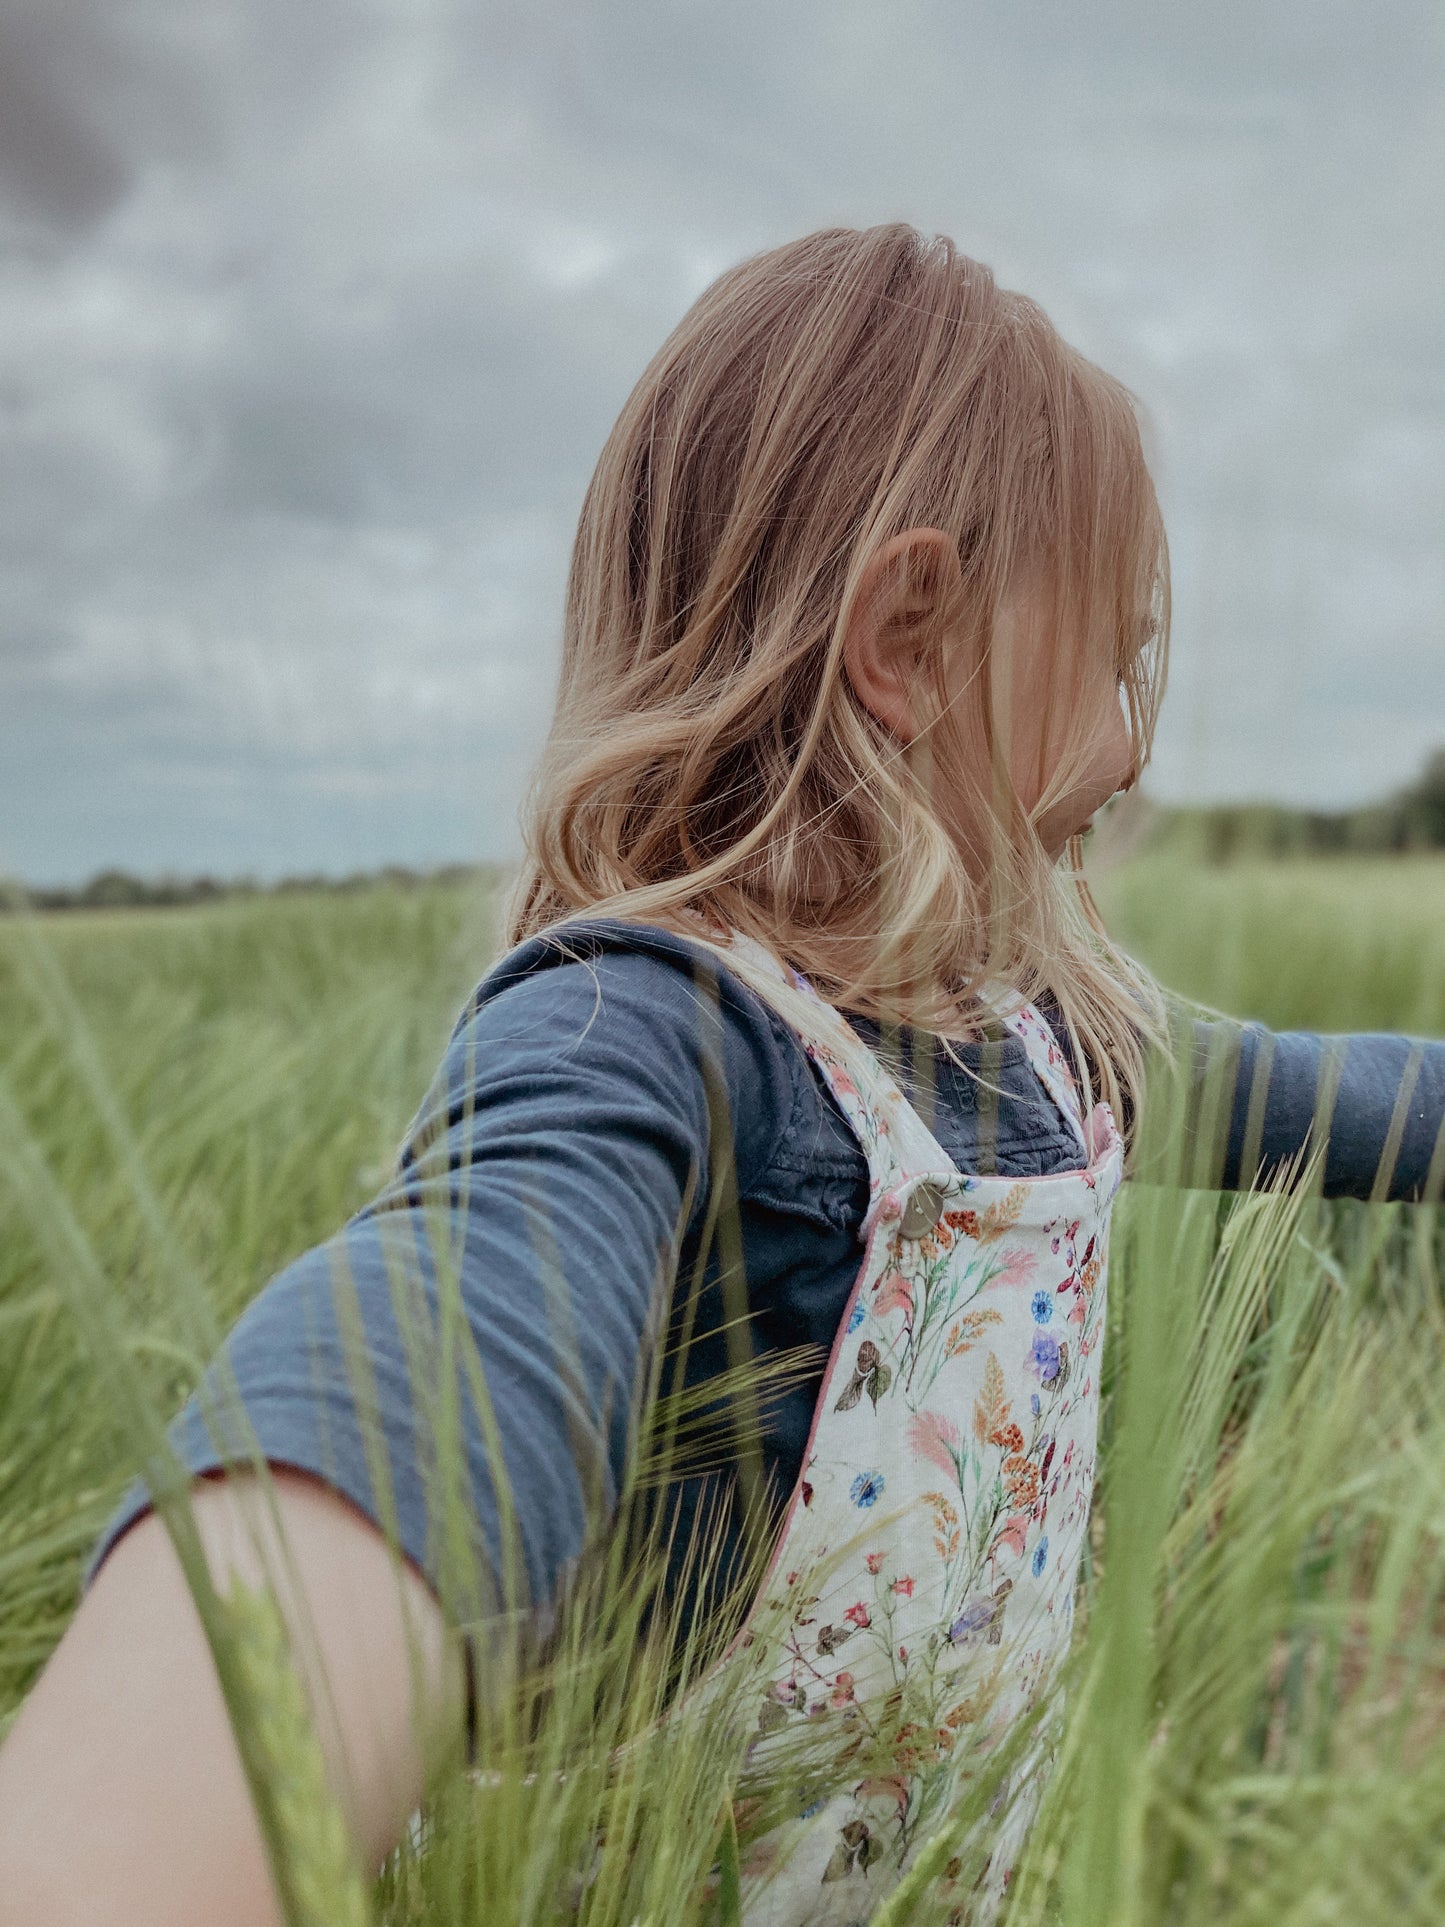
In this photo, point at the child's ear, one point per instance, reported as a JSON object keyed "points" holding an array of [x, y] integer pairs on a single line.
{"points": [[908, 588]]}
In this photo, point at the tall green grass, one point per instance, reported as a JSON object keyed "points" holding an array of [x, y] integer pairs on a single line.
{"points": [[210, 1092], [1336, 944], [1254, 1722]]}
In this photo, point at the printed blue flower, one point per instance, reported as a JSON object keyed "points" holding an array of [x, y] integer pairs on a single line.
{"points": [[866, 1488], [1043, 1358], [1041, 1553], [856, 1317], [1042, 1307], [1034, 1405]]}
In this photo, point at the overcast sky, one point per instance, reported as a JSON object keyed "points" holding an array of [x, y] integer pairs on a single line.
{"points": [[314, 315]]}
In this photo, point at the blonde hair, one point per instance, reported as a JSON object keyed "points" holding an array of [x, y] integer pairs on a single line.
{"points": [[708, 752]]}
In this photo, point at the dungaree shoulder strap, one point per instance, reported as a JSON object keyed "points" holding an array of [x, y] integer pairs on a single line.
{"points": [[1050, 1064], [897, 1143]]}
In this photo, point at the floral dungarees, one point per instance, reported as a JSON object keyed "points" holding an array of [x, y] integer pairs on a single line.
{"points": [[923, 1580]]}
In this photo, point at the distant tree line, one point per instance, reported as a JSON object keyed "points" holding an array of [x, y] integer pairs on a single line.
{"points": [[120, 890], [1412, 819]]}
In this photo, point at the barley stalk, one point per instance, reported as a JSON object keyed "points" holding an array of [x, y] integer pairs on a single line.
{"points": [[313, 1859]]}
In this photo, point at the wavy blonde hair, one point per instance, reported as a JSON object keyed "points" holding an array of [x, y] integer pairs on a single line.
{"points": [[708, 752]]}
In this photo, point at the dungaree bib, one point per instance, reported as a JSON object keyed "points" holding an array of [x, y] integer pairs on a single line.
{"points": [[923, 1579]]}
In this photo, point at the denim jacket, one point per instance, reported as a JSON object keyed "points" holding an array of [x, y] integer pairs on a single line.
{"points": [[567, 1146]]}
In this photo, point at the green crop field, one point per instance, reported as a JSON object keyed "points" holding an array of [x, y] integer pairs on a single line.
{"points": [[1255, 1719], [1333, 944]]}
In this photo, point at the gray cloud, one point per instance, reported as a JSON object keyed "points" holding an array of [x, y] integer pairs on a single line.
{"points": [[49, 157], [312, 321]]}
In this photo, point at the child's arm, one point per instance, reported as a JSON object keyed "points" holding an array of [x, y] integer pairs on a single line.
{"points": [[560, 1144], [121, 1793], [1379, 1098], [555, 1153]]}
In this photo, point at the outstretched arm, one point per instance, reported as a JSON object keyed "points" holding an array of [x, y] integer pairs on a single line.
{"points": [[1378, 1100], [552, 1155], [121, 1792]]}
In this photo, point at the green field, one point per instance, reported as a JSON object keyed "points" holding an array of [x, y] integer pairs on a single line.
{"points": [[246, 1071], [1336, 944], [1256, 1727]]}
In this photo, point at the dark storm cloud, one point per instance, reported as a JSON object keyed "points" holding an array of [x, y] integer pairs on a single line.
{"points": [[312, 320], [86, 93], [49, 157]]}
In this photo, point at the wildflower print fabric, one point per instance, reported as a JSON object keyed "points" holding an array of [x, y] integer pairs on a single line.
{"points": [[923, 1582]]}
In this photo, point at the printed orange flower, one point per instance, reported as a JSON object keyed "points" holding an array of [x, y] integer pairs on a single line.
{"points": [[1021, 1480], [1009, 1437], [964, 1221]]}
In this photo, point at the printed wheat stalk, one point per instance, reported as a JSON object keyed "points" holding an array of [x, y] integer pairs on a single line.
{"points": [[312, 1858]]}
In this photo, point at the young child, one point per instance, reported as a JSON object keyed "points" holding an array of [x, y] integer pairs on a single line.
{"points": [[867, 616]]}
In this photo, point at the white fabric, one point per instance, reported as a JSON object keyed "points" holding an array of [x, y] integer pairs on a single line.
{"points": [[923, 1581]]}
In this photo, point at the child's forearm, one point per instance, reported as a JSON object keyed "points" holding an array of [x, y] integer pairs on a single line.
{"points": [[122, 1797], [1379, 1100]]}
